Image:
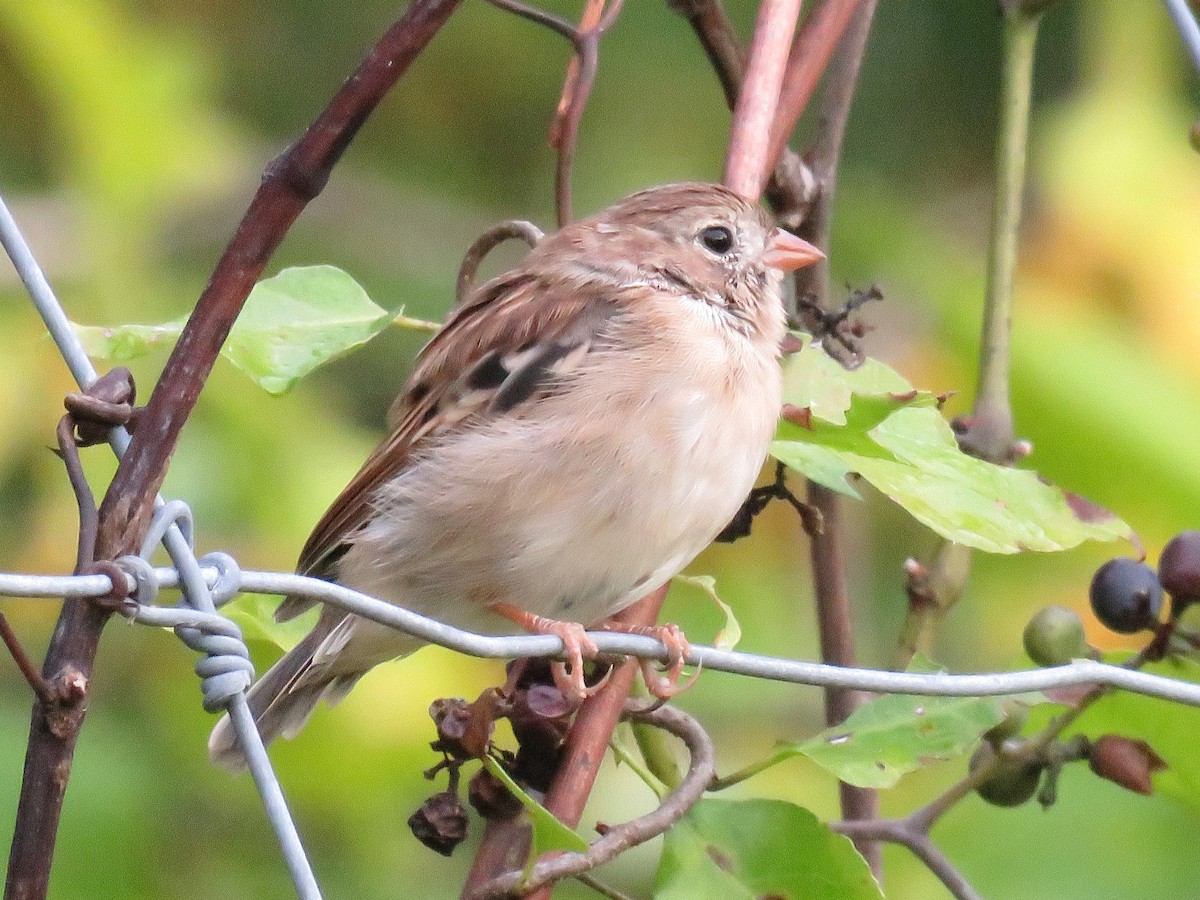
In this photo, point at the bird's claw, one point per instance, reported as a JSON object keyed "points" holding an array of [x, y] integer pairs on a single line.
{"points": [[577, 647], [662, 684]]}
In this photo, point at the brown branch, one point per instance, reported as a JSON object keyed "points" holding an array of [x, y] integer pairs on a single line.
{"points": [[834, 619], [618, 839], [29, 671], [719, 40], [747, 164], [583, 752], [289, 183]]}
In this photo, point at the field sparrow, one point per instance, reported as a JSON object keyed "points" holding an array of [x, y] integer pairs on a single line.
{"points": [[578, 431]]}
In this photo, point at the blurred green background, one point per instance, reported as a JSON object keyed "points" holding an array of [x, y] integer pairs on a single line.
{"points": [[134, 134]]}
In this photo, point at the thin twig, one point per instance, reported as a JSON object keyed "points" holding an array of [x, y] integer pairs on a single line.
{"points": [[715, 31], [598, 16], [748, 163], [814, 48], [40, 688], [991, 425], [988, 431], [620, 838], [85, 500], [513, 229], [895, 832], [601, 888], [577, 87], [540, 17]]}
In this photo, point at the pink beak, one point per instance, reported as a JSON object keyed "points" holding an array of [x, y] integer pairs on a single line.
{"points": [[786, 252]]}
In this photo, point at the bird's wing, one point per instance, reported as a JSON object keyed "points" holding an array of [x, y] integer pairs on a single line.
{"points": [[507, 342]]}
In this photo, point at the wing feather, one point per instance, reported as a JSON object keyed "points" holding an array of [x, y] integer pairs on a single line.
{"points": [[497, 350]]}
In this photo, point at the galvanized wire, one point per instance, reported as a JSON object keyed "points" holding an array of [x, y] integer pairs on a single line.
{"points": [[1189, 31], [1079, 672], [232, 677]]}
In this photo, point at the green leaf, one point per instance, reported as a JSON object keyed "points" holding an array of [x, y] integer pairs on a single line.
{"points": [[292, 323], [298, 320], [731, 633], [548, 832], [896, 734], [900, 443], [813, 380], [125, 342], [254, 614], [748, 849]]}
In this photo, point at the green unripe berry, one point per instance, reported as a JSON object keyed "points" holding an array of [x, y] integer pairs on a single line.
{"points": [[1054, 637], [1011, 783]]}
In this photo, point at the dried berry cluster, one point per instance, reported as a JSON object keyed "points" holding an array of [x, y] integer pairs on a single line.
{"points": [[539, 717]]}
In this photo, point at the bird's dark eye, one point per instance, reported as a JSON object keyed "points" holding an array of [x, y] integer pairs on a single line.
{"points": [[717, 238]]}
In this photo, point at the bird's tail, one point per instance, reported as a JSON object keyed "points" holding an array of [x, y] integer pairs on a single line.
{"points": [[282, 700]]}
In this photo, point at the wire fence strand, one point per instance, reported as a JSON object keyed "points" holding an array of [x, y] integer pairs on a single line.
{"points": [[1079, 672]]}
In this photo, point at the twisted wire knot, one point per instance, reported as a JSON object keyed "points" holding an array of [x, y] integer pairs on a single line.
{"points": [[225, 669], [229, 576], [145, 583]]}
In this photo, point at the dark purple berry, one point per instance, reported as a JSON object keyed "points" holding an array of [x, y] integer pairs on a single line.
{"points": [[1179, 567], [1126, 595]]}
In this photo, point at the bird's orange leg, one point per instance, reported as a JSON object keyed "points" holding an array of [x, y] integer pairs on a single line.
{"points": [[577, 647]]}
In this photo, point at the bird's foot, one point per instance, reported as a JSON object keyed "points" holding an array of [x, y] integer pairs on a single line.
{"points": [[663, 685], [577, 647]]}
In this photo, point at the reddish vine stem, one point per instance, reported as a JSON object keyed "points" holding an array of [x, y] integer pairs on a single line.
{"points": [[747, 163], [811, 54], [577, 87], [834, 618], [29, 671], [289, 183], [598, 16]]}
